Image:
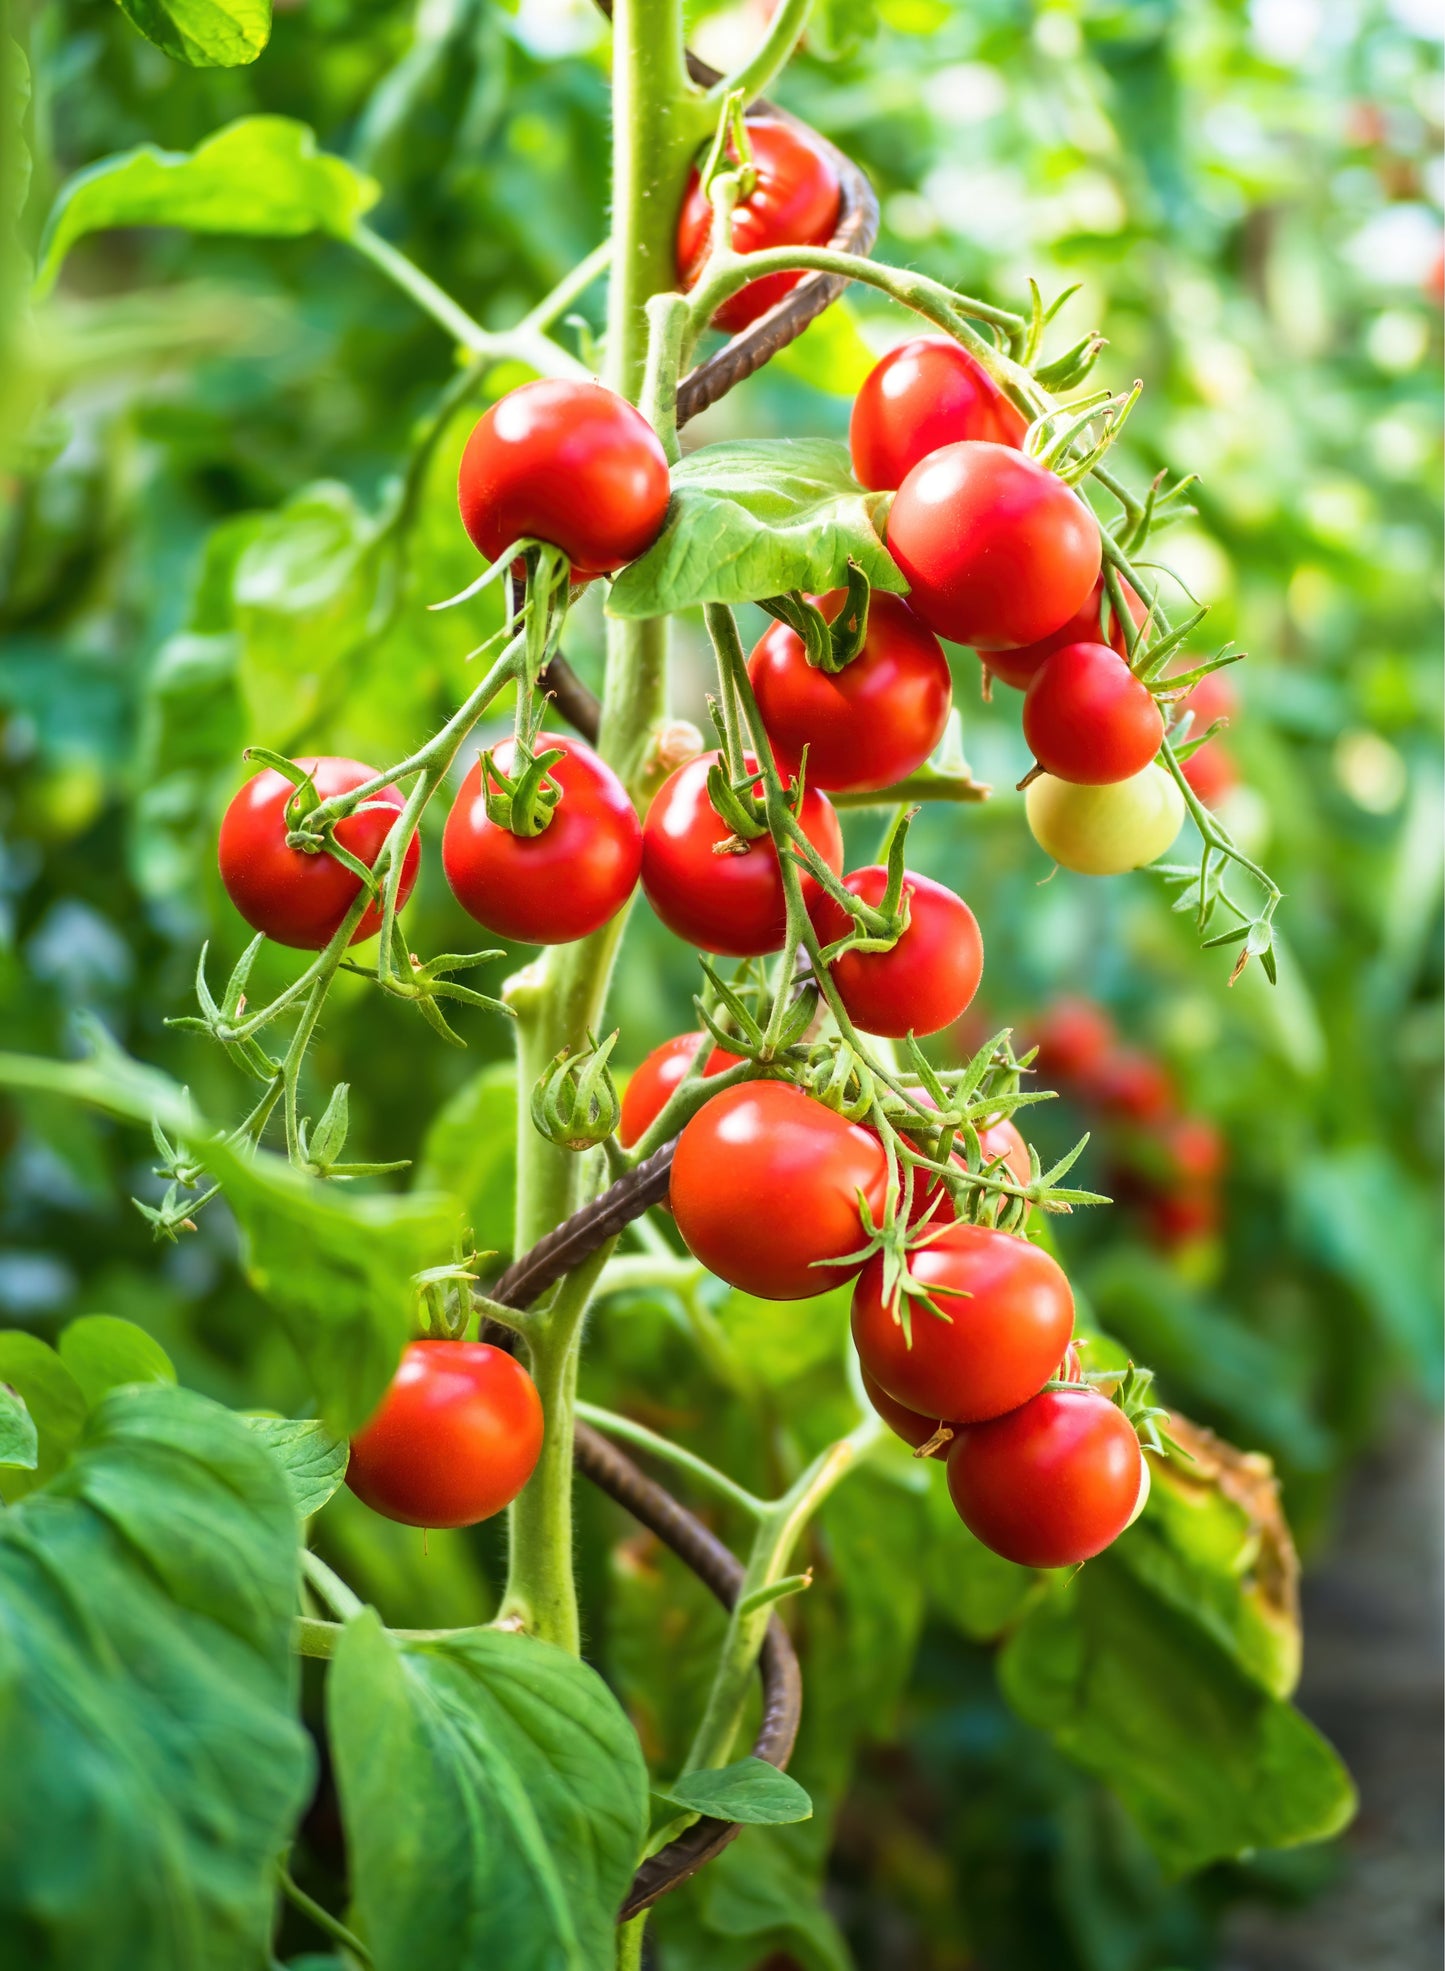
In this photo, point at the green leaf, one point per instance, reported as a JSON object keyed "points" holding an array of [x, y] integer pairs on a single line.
{"points": [[192, 732], [262, 175], [303, 591], [1209, 1764], [749, 1790], [1220, 1566], [154, 1763], [19, 1441], [979, 1592], [204, 33], [312, 1458], [494, 1796], [336, 1266], [103, 1352], [55, 1401], [470, 1150], [780, 1340], [757, 517]]}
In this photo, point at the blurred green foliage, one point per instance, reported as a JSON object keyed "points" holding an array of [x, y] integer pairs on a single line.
{"points": [[201, 439]]}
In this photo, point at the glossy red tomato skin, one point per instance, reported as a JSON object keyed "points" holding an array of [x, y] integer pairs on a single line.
{"points": [[731, 904], [997, 551], [1086, 625], [794, 202], [650, 1087], [911, 1425], [295, 898], [1053, 1482], [925, 394], [557, 886], [765, 1183], [1005, 1332], [454, 1440], [1088, 719], [927, 980], [567, 462], [867, 725]]}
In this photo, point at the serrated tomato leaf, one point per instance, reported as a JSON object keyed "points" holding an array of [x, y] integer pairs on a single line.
{"points": [[758, 517], [154, 1760], [494, 1795]]}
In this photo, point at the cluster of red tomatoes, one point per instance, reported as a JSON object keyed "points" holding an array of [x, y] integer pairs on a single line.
{"points": [[970, 1355], [1169, 1163]]}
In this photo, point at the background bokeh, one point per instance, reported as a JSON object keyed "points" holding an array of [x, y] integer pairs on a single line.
{"points": [[197, 448]]}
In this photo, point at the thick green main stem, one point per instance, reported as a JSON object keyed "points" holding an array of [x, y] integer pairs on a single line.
{"points": [[658, 120]]}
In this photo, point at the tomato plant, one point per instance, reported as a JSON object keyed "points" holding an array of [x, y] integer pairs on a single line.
{"points": [[569, 463], [664, 1069], [997, 550], [767, 1187], [977, 1327], [925, 394], [454, 1439], [866, 725], [302, 897], [465, 1326], [1087, 717], [1104, 830], [721, 891], [561, 884], [1053, 1482], [929, 974], [789, 197], [1094, 621]]}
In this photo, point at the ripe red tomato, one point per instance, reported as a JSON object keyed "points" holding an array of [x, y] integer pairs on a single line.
{"points": [[1073, 1037], [726, 900], [794, 202], [997, 551], [914, 1428], [1052, 1483], [1131, 1086], [872, 722], [924, 983], [1086, 625], [1102, 831], [562, 884], [301, 899], [566, 462], [925, 394], [1001, 1325], [650, 1087], [454, 1440], [1088, 719], [765, 1184]]}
